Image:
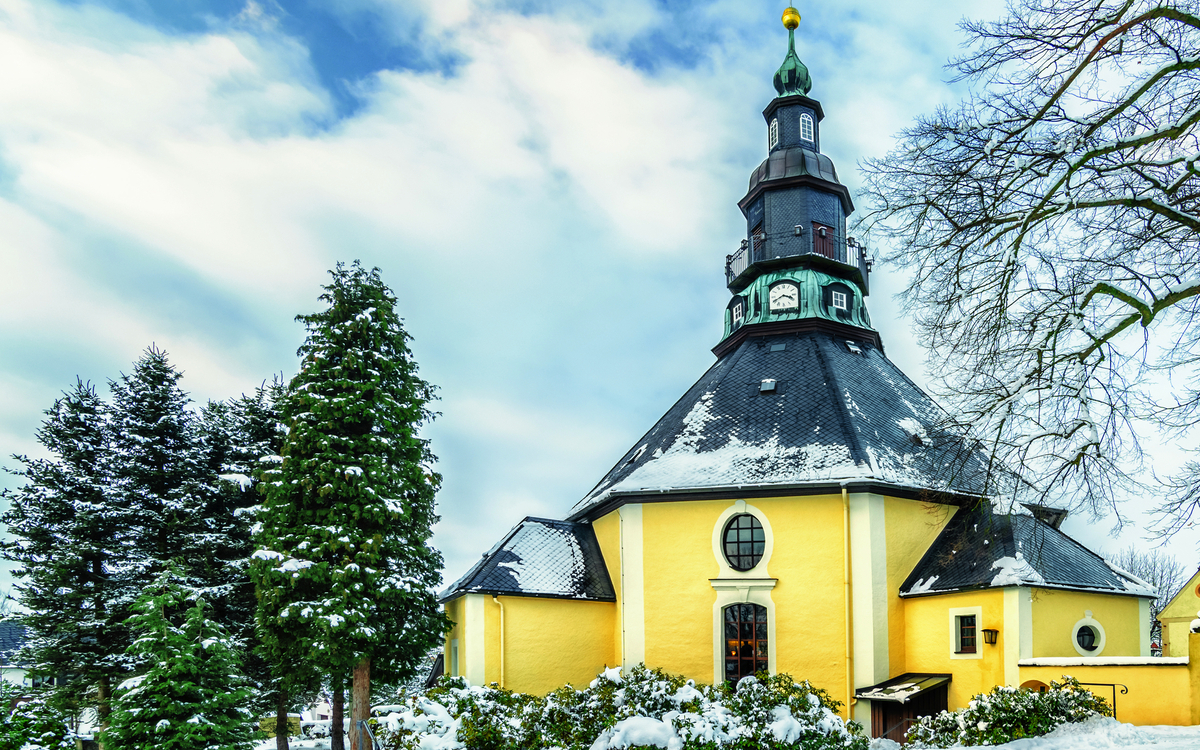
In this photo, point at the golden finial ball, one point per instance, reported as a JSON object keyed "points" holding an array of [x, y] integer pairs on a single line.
{"points": [[791, 18]]}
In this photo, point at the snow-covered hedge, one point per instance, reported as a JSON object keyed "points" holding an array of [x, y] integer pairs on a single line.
{"points": [[642, 708], [28, 723], [1009, 713]]}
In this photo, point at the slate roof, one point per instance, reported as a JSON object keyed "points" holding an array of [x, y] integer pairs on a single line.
{"points": [[541, 557], [841, 412], [983, 549], [12, 638]]}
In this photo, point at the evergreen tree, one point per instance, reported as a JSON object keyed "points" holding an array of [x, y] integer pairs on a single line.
{"points": [[345, 568], [64, 540], [191, 694], [237, 434], [164, 491]]}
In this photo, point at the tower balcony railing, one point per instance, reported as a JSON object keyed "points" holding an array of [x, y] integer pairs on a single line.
{"points": [[762, 248]]}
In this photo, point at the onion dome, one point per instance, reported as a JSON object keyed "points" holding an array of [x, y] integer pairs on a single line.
{"points": [[792, 76]]}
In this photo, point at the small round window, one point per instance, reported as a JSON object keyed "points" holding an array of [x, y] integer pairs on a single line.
{"points": [[744, 542], [1087, 638]]}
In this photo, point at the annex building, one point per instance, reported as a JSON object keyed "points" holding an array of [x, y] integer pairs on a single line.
{"points": [[801, 510]]}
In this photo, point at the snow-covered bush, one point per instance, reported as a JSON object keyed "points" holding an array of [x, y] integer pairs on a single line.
{"points": [[30, 723], [1009, 713], [642, 708]]}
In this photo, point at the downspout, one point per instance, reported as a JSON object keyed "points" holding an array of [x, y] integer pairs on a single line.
{"points": [[501, 606], [850, 699]]}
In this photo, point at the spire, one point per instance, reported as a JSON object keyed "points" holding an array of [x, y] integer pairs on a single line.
{"points": [[792, 77]]}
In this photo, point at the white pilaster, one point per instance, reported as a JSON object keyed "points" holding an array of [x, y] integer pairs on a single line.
{"points": [[868, 580], [476, 640], [633, 602]]}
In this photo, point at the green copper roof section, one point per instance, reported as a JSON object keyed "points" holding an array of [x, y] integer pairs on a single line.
{"points": [[792, 77], [814, 300]]}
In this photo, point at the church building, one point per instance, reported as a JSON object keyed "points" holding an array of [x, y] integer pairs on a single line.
{"points": [[799, 510]]}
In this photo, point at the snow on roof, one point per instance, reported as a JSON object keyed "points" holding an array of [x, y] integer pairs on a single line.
{"points": [[540, 557], [981, 548], [834, 416]]}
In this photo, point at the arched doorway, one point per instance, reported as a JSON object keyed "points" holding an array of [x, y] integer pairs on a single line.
{"points": [[745, 640]]}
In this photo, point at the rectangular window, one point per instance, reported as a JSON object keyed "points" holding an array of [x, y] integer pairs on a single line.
{"points": [[839, 300], [966, 634], [737, 314]]}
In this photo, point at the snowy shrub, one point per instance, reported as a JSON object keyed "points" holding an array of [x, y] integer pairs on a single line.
{"points": [[31, 724], [641, 708], [1009, 713]]}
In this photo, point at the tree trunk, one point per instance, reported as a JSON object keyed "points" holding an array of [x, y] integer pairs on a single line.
{"points": [[103, 706], [281, 722], [360, 709], [337, 714]]}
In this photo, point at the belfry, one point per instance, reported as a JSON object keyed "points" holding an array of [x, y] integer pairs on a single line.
{"points": [[801, 509]]}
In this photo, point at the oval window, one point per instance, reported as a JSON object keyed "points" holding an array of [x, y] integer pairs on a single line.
{"points": [[1086, 638], [744, 541]]}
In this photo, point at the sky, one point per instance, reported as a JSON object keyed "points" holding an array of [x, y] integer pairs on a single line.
{"points": [[549, 188]]}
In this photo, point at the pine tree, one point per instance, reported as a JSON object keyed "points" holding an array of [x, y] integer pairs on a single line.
{"points": [[345, 567], [163, 490], [237, 434], [191, 694], [64, 539]]}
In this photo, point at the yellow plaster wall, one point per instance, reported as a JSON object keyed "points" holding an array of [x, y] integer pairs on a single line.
{"points": [[929, 649], [608, 535], [1056, 612], [454, 610], [677, 565], [809, 599], [1177, 615], [1157, 694], [912, 527], [549, 642]]}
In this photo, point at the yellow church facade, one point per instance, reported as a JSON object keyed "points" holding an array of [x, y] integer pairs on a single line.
{"points": [[805, 509]]}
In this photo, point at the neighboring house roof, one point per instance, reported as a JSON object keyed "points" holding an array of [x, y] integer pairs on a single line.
{"points": [[12, 639], [840, 412], [541, 557], [983, 549]]}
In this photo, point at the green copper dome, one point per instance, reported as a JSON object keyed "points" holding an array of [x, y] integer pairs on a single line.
{"points": [[792, 77]]}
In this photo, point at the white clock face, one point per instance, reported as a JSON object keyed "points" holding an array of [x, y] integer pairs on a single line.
{"points": [[785, 297]]}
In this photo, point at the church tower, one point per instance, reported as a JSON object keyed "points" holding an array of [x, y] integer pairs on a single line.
{"points": [[802, 509]]}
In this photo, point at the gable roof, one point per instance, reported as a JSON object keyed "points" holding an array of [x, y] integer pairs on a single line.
{"points": [[540, 557], [1185, 603], [840, 411], [982, 549], [12, 639]]}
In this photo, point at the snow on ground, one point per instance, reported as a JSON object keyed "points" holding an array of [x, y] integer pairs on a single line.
{"points": [[1098, 733]]}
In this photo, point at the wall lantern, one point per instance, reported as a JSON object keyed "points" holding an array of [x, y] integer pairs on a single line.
{"points": [[989, 636]]}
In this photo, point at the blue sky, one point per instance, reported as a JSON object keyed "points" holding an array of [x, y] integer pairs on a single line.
{"points": [[549, 187]]}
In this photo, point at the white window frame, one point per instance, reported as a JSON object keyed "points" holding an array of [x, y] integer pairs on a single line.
{"points": [[806, 128], [736, 586], [956, 614], [836, 296], [738, 313], [773, 133], [1090, 622]]}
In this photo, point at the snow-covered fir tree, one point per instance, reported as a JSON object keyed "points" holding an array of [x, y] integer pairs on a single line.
{"points": [[190, 693], [164, 491], [344, 565], [64, 540], [237, 434]]}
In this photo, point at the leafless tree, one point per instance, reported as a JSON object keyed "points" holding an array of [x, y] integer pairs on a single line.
{"points": [[1162, 571], [1050, 222]]}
